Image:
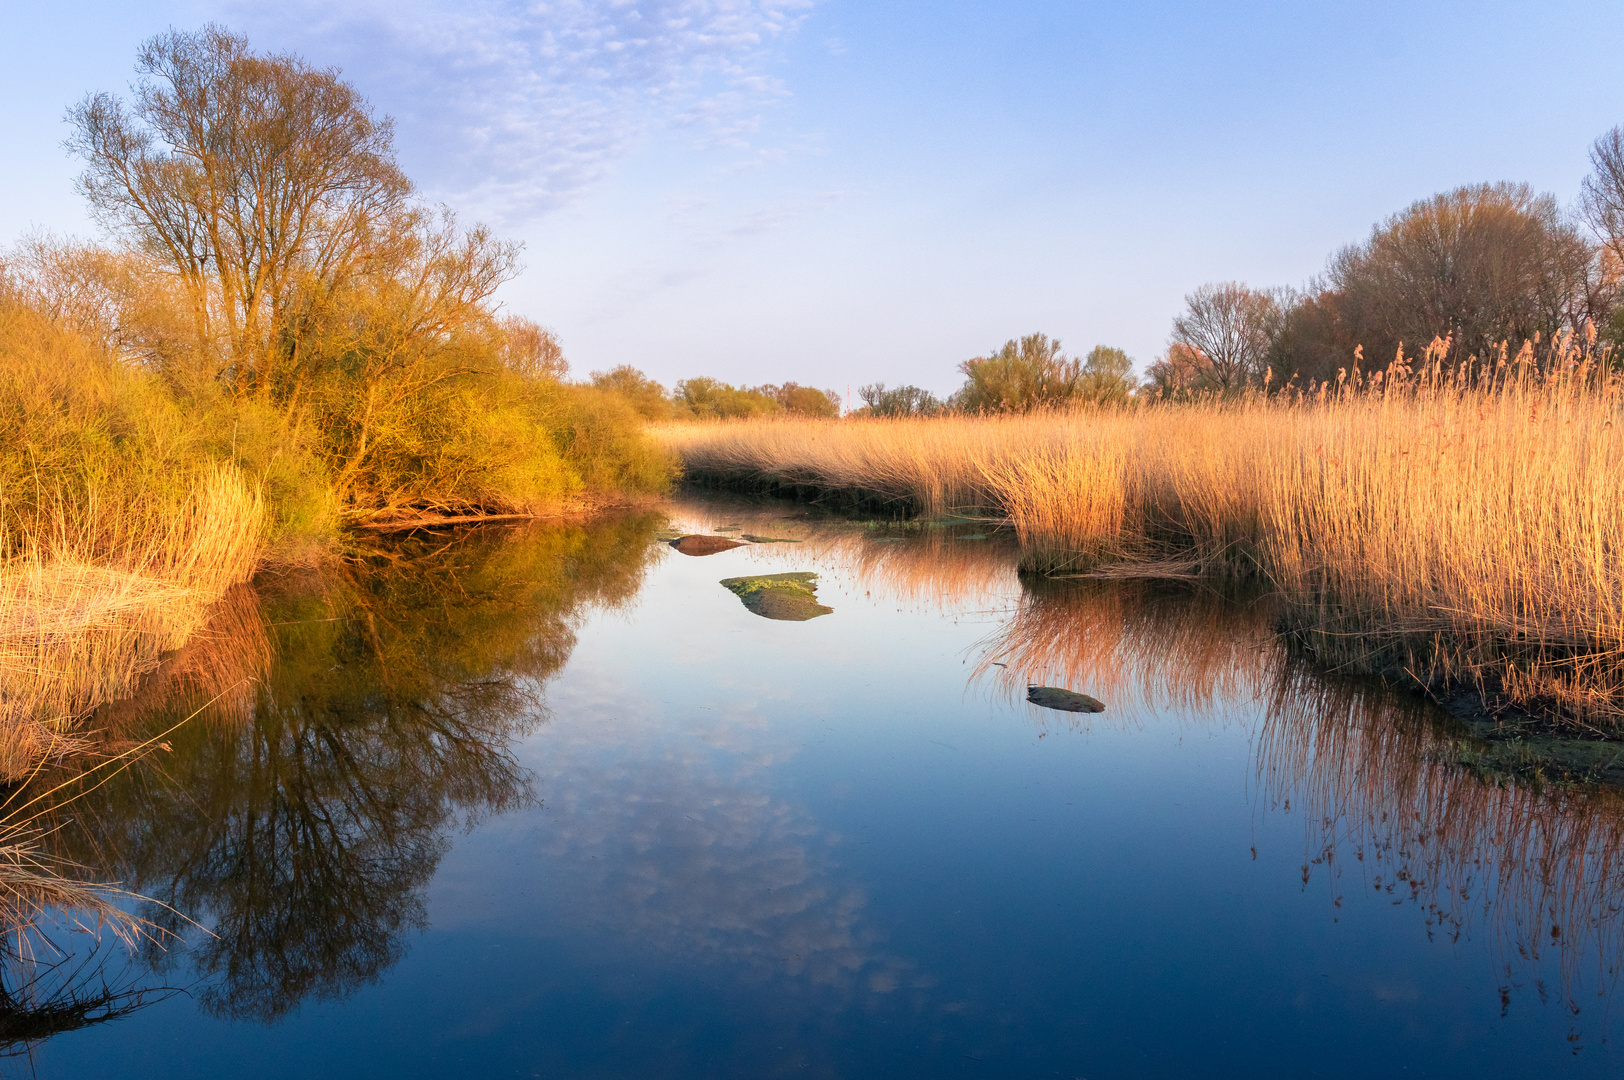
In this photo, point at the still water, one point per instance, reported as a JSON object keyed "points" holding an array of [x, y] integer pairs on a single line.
{"points": [[553, 802]]}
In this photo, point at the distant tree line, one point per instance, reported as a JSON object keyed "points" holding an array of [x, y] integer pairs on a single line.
{"points": [[704, 398], [1486, 267]]}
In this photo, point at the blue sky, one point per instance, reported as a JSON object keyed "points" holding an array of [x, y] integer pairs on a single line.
{"points": [[838, 192]]}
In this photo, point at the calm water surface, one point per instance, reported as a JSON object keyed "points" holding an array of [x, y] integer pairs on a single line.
{"points": [[555, 803]]}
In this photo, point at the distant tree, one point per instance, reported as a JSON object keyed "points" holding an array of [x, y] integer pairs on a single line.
{"points": [[705, 398], [1313, 344], [532, 350], [803, 400], [1483, 264], [1601, 198], [646, 396], [1225, 331], [899, 401], [1602, 205], [1021, 376], [1107, 375], [1180, 370]]}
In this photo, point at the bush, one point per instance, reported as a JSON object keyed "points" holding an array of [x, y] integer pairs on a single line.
{"points": [[646, 396], [703, 398]]}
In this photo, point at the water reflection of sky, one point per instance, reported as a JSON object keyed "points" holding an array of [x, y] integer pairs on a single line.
{"points": [[845, 847]]}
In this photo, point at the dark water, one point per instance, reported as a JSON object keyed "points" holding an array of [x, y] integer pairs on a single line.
{"points": [[556, 804]]}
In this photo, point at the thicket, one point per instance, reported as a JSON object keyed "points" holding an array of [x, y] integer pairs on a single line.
{"points": [[275, 340], [273, 296], [1484, 267]]}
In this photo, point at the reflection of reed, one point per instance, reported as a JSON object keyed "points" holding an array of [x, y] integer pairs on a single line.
{"points": [[1379, 776], [46, 991], [214, 673], [1537, 867], [1133, 642]]}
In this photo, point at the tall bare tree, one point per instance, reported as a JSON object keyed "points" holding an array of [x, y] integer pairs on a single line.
{"points": [[1225, 331], [1483, 264], [248, 175], [1602, 197]]}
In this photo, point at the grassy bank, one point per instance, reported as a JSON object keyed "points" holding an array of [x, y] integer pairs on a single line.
{"points": [[1445, 532]]}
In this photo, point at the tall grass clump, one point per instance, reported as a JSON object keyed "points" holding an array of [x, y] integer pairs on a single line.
{"points": [[117, 530], [1445, 526]]}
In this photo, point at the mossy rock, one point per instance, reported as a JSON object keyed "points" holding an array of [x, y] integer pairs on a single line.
{"points": [[787, 597], [1052, 697]]}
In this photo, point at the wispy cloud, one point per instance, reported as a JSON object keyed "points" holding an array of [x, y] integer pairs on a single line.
{"points": [[513, 108]]}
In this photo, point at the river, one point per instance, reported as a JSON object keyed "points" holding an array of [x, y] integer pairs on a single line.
{"points": [[552, 801]]}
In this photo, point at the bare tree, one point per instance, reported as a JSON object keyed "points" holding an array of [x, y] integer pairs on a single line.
{"points": [[1228, 327], [1180, 370], [1483, 264], [247, 175], [1602, 197]]}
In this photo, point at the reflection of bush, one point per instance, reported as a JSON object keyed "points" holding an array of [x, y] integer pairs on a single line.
{"points": [[302, 837]]}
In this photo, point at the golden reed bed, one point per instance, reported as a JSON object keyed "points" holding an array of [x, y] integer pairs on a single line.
{"points": [[97, 599], [1444, 530]]}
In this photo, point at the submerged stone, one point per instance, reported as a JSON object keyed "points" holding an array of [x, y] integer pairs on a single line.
{"points": [[695, 544], [787, 597], [1052, 697]]}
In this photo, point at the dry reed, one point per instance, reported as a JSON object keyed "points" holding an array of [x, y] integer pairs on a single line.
{"points": [[93, 601], [1445, 528]]}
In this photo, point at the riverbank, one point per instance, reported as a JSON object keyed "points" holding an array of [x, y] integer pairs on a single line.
{"points": [[1446, 536]]}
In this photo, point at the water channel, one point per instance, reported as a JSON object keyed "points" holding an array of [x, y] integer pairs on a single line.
{"points": [[552, 801]]}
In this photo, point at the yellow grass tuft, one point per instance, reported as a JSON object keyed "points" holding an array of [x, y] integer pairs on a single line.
{"points": [[92, 602]]}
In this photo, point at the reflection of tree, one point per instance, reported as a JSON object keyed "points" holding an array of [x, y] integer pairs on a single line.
{"points": [[303, 837], [1398, 797]]}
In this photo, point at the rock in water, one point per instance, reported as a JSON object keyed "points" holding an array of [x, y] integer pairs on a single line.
{"points": [[1052, 697], [788, 597], [695, 544]]}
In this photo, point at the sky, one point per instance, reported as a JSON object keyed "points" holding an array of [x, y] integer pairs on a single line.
{"points": [[838, 192]]}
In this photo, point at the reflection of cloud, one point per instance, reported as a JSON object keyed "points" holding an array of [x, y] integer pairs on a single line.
{"points": [[670, 838], [515, 107]]}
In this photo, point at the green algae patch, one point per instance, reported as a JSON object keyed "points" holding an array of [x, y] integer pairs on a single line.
{"points": [[788, 597]]}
